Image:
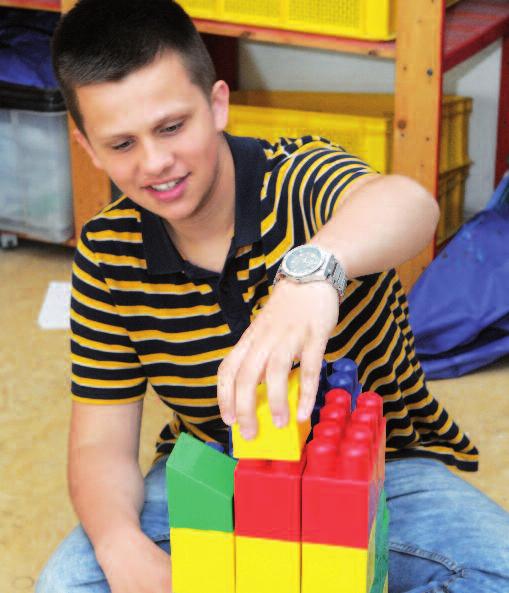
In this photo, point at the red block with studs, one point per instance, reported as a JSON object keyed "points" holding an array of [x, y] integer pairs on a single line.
{"points": [[344, 472]]}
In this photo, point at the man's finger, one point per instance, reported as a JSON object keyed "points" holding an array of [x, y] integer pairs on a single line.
{"points": [[310, 367], [279, 366], [226, 375]]}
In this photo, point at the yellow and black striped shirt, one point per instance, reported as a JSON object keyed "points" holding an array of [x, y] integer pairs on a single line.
{"points": [[141, 314]]}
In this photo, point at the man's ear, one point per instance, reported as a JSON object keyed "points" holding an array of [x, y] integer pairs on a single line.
{"points": [[83, 141], [220, 99]]}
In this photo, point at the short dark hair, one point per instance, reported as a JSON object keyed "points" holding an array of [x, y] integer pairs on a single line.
{"points": [[106, 40]]}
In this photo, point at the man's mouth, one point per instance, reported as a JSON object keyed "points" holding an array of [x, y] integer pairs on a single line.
{"points": [[168, 185]]}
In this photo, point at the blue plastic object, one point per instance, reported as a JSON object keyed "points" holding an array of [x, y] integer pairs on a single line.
{"points": [[25, 54], [216, 446], [459, 307], [344, 376]]}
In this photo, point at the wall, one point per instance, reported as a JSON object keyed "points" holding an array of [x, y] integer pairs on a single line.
{"points": [[266, 66]]}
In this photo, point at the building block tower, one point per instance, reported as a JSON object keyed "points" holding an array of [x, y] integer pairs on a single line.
{"points": [[311, 519], [200, 502]]}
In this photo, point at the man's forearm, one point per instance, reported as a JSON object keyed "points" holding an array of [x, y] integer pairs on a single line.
{"points": [[107, 491], [382, 223]]}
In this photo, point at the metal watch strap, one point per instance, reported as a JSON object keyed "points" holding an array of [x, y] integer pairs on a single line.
{"points": [[338, 277]]}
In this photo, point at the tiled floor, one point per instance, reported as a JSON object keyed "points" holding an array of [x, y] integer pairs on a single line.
{"points": [[35, 513]]}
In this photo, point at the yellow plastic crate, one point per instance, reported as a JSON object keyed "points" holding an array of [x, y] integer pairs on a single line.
{"points": [[361, 19], [451, 197], [361, 123]]}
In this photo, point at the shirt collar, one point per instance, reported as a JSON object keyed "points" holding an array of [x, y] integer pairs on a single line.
{"points": [[250, 163]]}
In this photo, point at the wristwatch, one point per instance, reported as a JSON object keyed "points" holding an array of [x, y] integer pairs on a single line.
{"points": [[310, 263]]}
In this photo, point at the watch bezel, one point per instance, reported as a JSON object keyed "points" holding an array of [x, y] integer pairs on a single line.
{"points": [[287, 271]]}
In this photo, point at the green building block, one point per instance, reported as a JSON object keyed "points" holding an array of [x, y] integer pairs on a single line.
{"points": [[199, 480], [381, 545]]}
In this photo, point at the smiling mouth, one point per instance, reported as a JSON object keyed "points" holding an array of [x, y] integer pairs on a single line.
{"points": [[169, 185]]}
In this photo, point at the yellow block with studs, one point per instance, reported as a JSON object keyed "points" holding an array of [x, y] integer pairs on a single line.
{"points": [[267, 565], [281, 444], [202, 561]]}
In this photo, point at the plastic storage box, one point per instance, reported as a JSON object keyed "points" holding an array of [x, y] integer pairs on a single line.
{"points": [[35, 177], [363, 125], [451, 197], [361, 19], [35, 180], [360, 122]]}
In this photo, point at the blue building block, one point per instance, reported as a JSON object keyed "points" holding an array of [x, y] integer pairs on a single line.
{"points": [[216, 446], [344, 376], [230, 444], [320, 396]]}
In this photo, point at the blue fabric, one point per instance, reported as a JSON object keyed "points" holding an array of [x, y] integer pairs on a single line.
{"points": [[459, 307], [25, 54], [444, 536]]}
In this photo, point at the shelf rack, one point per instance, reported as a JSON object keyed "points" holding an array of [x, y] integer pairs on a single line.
{"points": [[430, 42]]}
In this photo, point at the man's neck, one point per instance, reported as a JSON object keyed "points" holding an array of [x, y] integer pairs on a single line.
{"points": [[205, 239]]}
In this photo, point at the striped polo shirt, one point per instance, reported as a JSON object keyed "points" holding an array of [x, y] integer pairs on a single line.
{"points": [[141, 314]]}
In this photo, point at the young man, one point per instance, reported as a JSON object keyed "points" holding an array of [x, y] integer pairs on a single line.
{"points": [[173, 285]]}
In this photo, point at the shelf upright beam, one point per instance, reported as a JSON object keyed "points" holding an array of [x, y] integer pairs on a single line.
{"points": [[418, 104], [91, 187], [502, 164]]}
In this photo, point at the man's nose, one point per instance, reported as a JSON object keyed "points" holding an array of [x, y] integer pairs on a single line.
{"points": [[157, 159]]}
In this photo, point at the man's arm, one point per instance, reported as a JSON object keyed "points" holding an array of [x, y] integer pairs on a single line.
{"points": [[106, 488], [381, 222]]}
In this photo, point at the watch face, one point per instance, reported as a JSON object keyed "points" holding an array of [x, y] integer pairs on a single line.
{"points": [[303, 261]]}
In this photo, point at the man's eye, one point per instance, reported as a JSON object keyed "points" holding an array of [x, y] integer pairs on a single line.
{"points": [[123, 145], [173, 128]]}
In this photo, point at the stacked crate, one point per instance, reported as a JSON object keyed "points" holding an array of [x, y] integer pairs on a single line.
{"points": [[361, 19], [35, 178], [361, 123]]}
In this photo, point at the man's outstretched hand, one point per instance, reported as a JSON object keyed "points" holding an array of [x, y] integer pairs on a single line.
{"points": [[295, 324]]}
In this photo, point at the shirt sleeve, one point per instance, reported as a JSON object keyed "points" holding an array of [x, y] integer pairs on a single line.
{"points": [[105, 367], [322, 174]]}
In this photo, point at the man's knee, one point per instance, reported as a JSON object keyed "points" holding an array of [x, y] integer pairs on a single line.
{"points": [[72, 568]]}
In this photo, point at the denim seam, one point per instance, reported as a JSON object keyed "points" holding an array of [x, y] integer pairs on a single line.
{"points": [[163, 537], [434, 556], [456, 570]]}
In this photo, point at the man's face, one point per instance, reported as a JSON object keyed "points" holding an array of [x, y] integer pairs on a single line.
{"points": [[157, 136]]}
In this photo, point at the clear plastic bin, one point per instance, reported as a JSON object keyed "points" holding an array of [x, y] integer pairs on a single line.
{"points": [[35, 175]]}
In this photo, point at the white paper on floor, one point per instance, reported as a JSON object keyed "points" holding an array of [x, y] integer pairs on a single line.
{"points": [[54, 313]]}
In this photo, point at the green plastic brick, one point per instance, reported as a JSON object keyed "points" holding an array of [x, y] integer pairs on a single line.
{"points": [[200, 486], [381, 545]]}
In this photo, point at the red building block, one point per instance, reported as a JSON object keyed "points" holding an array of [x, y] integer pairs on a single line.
{"points": [[267, 499], [370, 402], [342, 479]]}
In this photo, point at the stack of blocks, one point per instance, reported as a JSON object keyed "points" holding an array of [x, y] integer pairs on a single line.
{"points": [[288, 517]]}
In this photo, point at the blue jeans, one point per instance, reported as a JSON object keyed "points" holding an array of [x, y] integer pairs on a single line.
{"points": [[445, 536]]}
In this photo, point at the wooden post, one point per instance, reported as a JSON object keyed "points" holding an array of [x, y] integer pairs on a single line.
{"points": [[503, 115], [91, 187], [418, 108]]}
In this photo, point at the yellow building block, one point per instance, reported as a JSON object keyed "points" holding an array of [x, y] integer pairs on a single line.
{"points": [[333, 569], [202, 561], [267, 565], [281, 444]]}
